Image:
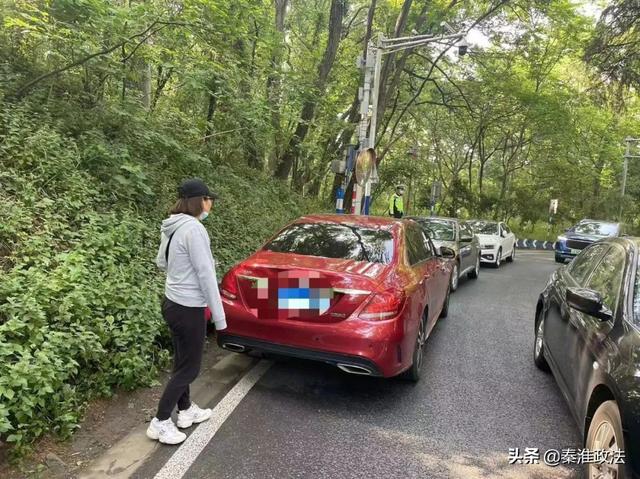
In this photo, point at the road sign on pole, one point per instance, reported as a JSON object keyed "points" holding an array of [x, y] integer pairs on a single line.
{"points": [[553, 207]]}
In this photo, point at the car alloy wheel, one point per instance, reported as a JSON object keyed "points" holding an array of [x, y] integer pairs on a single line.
{"points": [[445, 308], [455, 276], [605, 434], [413, 373], [538, 347], [420, 341], [498, 258], [539, 338], [473, 274]]}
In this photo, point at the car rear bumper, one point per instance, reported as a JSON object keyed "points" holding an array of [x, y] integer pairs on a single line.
{"points": [[363, 365], [381, 347]]}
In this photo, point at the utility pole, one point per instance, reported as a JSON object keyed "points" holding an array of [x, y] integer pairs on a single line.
{"points": [[368, 95], [625, 169]]}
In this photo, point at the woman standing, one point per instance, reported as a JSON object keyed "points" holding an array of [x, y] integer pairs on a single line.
{"points": [[185, 253]]}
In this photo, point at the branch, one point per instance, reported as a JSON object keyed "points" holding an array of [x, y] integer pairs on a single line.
{"points": [[347, 28], [25, 88], [417, 94]]}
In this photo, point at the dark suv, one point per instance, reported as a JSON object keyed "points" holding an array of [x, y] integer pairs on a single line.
{"points": [[586, 232], [458, 236]]}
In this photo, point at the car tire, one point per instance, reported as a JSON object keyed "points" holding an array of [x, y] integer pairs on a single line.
{"points": [[498, 261], [559, 259], [474, 273], [455, 277], [445, 308], [413, 373], [512, 258], [605, 432], [538, 343]]}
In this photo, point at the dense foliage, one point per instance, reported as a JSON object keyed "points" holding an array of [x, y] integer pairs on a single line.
{"points": [[106, 106]]}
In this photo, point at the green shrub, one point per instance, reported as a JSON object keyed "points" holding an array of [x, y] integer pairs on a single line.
{"points": [[80, 211]]}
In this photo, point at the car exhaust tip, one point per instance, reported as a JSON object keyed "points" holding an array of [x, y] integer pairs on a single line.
{"points": [[355, 369], [236, 348]]}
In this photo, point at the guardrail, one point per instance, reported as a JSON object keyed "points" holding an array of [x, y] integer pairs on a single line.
{"points": [[535, 244]]}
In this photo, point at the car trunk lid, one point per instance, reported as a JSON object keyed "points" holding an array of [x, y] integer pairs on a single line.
{"points": [[306, 288]]}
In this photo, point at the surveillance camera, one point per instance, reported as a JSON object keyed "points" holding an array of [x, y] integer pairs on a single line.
{"points": [[463, 48]]}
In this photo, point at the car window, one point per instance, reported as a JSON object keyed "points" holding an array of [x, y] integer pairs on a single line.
{"points": [[582, 264], [465, 230], [432, 247], [333, 240], [485, 227], [438, 230], [607, 276], [428, 245], [596, 228], [417, 249]]}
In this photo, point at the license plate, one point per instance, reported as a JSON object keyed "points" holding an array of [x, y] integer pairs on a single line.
{"points": [[575, 251], [305, 299]]}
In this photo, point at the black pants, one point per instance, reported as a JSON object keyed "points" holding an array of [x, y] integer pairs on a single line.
{"points": [[188, 330]]}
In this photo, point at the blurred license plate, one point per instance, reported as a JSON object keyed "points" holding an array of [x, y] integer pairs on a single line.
{"points": [[305, 298], [575, 251]]}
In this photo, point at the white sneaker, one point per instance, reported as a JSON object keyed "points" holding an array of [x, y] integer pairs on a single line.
{"points": [[165, 431], [193, 415]]}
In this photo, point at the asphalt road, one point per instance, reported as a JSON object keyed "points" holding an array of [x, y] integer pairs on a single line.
{"points": [[480, 395]]}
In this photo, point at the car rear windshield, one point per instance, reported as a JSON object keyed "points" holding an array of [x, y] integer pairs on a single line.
{"points": [[438, 230], [484, 227], [595, 228], [331, 240]]}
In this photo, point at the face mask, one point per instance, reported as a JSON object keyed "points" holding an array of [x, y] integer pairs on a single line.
{"points": [[203, 216]]}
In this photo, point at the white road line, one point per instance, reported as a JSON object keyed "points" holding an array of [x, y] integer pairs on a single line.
{"points": [[177, 466]]}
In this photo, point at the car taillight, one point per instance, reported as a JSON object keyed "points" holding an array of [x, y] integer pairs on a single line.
{"points": [[383, 305], [229, 285]]}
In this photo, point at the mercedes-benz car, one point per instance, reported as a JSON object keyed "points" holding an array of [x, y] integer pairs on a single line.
{"points": [[358, 292], [497, 241], [578, 237], [587, 332], [457, 235]]}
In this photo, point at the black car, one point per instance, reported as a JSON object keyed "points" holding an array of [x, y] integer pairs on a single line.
{"points": [[587, 332], [458, 236], [586, 232]]}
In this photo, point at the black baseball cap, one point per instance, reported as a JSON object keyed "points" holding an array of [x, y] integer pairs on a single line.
{"points": [[194, 187]]}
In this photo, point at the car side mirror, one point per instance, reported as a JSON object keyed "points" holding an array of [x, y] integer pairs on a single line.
{"points": [[503, 233], [445, 252], [589, 302]]}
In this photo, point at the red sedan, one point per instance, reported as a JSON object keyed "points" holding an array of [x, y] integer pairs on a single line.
{"points": [[361, 293]]}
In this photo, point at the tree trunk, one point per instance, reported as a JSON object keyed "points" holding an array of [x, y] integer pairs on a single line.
{"points": [[388, 65], [146, 86], [274, 82], [253, 156], [211, 109], [308, 110]]}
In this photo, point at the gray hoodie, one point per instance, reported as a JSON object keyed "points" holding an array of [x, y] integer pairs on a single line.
{"points": [[191, 275]]}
